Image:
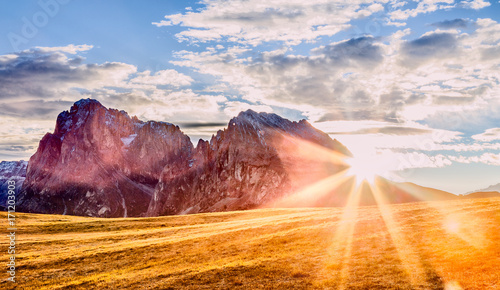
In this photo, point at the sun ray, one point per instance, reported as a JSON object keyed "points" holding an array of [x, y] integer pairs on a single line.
{"points": [[310, 195], [341, 248], [366, 167], [409, 259], [464, 226]]}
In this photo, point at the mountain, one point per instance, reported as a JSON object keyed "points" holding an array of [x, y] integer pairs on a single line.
{"points": [[251, 163], [402, 192], [100, 162], [482, 194], [491, 191], [14, 171]]}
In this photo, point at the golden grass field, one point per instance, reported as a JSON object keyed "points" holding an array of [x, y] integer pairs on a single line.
{"points": [[439, 245]]}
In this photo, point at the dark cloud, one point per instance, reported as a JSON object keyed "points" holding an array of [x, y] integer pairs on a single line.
{"points": [[267, 16], [415, 99], [355, 52], [35, 75], [446, 100], [34, 109], [436, 45], [455, 23], [360, 51], [490, 53], [16, 148], [201, 125], [400, 131]]}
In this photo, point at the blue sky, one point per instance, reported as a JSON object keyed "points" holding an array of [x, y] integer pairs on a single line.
{"points": [[412, 86]]}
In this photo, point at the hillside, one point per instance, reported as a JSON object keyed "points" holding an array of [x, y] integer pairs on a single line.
{"points": [[422, 245], [482, 194]]}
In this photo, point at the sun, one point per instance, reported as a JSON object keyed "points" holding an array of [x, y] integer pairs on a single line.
{"points": [[366, 168]]}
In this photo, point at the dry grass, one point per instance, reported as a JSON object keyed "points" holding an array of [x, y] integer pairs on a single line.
{"points": [[440, 245]]}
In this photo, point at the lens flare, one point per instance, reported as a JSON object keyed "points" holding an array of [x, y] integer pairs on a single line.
{"points": [[367, 167]]}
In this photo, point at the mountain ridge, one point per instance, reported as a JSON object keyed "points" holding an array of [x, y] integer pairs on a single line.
{"points": [[101, 162]]}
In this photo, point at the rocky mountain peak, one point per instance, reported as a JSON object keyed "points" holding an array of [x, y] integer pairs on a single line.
{"points": [[259, 120], [246, 165], [86, 105], [100, 162]]}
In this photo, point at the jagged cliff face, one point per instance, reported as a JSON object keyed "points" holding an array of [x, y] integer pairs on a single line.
{"points": [[100, 162], [251, 163], [14, 171]]}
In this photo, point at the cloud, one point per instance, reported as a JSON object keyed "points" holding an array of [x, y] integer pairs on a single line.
{"points": [[455, 23], [33, 74], [256, 21], [201, 125], [363, 78], [430, 46], [71, 49], [390, 130], [421, 160], [489, 135], [37, 84], [423, 7], [34, 109], [233, 108], [486, 158], [163, 77], [447, 100], [312, 84], [360, 51], [475, 4]]}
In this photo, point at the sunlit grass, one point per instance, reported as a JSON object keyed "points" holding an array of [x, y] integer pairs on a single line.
{"points": [[452, 245]]}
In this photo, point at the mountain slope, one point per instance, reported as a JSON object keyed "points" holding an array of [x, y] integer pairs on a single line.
{"points": [[99, 162], [482, 194], [242, 167], [490, 191]]}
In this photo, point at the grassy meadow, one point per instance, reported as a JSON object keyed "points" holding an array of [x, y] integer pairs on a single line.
{"points": [[438, 245]]}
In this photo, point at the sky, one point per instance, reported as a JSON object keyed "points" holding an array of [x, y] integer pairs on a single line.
{"points": [[412, 87]]}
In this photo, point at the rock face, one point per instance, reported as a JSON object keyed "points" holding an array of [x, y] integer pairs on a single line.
{"points": [[11, 170], [251, 163], [100, 162]]}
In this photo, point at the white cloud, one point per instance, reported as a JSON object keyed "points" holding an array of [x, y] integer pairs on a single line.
{"points": [[422, 8], [256, 21], [489, 135], [37, 84], [486, 158], [71, 49], [163, 77], [475, 4], [364, 78]]}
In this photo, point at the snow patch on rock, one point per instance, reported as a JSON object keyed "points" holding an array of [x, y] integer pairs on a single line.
{"points": [[127, 140]]}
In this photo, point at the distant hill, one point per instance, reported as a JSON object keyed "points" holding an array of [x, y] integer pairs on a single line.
{"points": [[482, 194], [491, 191]]}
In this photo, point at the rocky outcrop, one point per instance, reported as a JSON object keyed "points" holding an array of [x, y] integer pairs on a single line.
{"points": [[100, 162], [253, 162], [13, 171]]}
